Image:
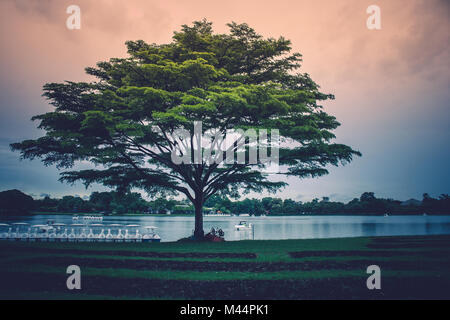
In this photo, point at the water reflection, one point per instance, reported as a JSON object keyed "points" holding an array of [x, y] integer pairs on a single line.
{"points": [[369, 228]]}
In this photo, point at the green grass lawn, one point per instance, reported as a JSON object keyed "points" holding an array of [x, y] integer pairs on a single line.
{"points": [[411, 267]]}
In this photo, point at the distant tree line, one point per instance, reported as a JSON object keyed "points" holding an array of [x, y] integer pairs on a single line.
{"points": [[367, 203], [16, 202]]}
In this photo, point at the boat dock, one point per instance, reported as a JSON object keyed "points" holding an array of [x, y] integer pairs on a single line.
{"points": [[77, 232]]}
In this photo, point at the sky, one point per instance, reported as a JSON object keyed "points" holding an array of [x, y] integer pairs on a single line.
{"points": [[391, 85]]}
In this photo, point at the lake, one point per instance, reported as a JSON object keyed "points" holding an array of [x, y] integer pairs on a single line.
{"points": [[172, 228]]}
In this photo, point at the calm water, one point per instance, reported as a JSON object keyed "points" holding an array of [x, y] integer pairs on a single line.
{"points": [[275, 228]]}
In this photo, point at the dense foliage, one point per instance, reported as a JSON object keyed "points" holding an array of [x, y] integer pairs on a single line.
{"points": [[15, 202]]}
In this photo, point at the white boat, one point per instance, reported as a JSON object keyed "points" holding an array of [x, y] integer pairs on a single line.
{"points": [[114, 233], [243, 225], [20, 236], [101, 237], [88, 218], [47, 227], [132, 233], [109, 237], [33, 234], [94, 232], [41, 232], [93, 218], [59, 234], [72, 237], [75, 232], [11, 235], [25, 236], [52, 236], [83, 236], [138, 236], [4, 231], [151, 236], [62, 237], [119, 237], [59, 225]]}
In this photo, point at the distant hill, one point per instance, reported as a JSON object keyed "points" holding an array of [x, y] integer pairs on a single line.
{"points": [[411, 202], [15, 202]]}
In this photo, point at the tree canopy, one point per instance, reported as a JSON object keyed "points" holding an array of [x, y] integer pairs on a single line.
{"points": [[123, 122], [15, 202]]}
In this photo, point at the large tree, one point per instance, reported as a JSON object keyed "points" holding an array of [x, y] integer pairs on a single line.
{"points": [[124, 121], [15, 202]]}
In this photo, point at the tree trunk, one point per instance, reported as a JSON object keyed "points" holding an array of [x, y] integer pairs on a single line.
{"points": [[198, 232]]}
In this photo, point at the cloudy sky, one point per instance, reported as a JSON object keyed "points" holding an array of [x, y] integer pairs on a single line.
{"points": [[391, 85]]}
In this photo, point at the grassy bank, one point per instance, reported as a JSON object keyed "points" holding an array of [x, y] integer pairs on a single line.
{"points": [[412, 267]]}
